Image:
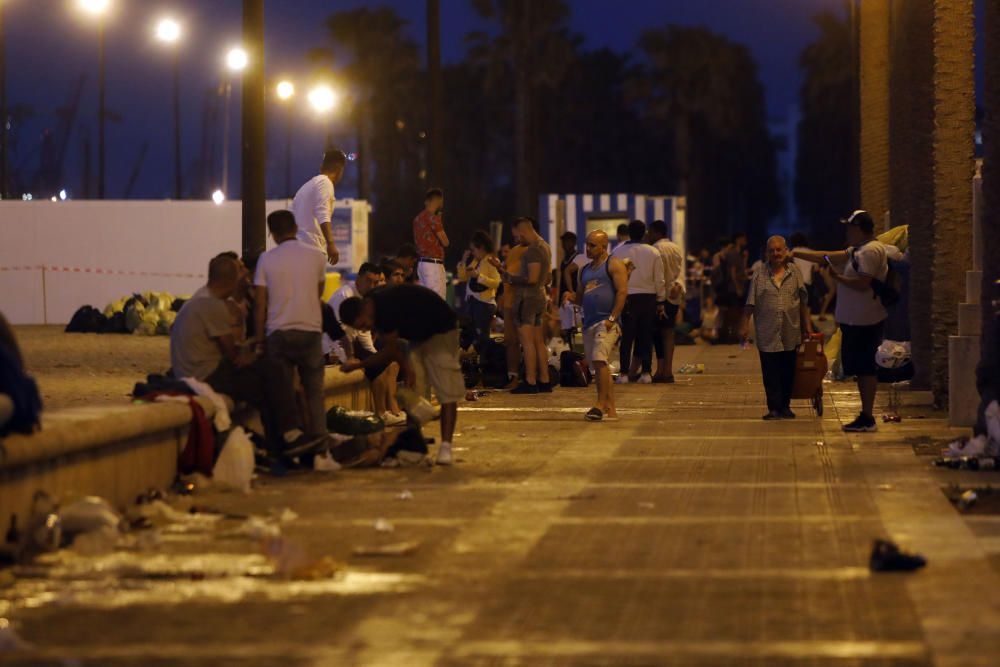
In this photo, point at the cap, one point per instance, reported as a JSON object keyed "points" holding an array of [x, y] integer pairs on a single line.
{"points": [[862, 220]]}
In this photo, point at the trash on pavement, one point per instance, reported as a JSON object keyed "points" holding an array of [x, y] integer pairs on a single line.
{"points": [[967, 499], [977, 446], [256, 528], [647, 506], [395, 549], [87, 515], [405, 495], [692, 369], [233, 469], [384, 526], [967, 463], [887, 557], [992, 414], [891, 417]]}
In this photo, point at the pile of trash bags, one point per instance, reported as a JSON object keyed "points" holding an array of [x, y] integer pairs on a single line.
{"points": [[146, 314]]}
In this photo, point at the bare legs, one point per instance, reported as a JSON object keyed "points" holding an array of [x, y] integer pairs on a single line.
{"points": [[867, 386], [605, 396]]}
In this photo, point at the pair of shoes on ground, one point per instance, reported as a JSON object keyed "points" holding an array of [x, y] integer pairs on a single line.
{"points": [[390, 419], [644, 378], [537, 388], [779, 414], [863, 424]]}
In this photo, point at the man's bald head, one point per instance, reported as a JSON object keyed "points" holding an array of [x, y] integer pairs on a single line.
{"points": [[777, 251], [597, 244], [778, 241]]}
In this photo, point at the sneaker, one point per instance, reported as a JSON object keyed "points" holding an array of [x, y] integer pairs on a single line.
{"points": [[622, 379], [325, 463], [305, 444], [771, 416], [786, 414], [863, 424], [645, 378], [444, 455], [525, 388], [390, 419], [594, 415], [544, 387]]}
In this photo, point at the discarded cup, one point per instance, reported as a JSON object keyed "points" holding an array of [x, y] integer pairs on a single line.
{"points": [[384, 526], [405, 495]]}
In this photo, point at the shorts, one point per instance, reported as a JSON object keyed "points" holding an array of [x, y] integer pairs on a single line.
{"points": [[528, 310], [431, 275], [858, 347], [599, 343], [435, 362]]}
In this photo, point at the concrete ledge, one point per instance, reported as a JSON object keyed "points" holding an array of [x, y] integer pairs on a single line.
{"points": [[119, 451]]}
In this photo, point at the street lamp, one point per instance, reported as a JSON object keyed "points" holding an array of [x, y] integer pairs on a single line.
{"points": [[285, 90], [322, 98], [98, 9], [236, 61], [218, 197], [168, 31]]}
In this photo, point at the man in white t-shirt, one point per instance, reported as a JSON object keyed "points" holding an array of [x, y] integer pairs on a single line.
{"points": [[673, 280], [646, 296], [313, 206], [289, 281], [860, 313], [806, 268]]}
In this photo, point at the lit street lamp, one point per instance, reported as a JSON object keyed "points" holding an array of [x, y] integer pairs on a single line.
{"points": [[285, 91], [323, 99], [98, 9], [218, 197], [236, 61], [168, 31]]}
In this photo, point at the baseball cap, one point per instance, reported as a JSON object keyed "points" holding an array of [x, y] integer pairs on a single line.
{"points": [[862, 220]]}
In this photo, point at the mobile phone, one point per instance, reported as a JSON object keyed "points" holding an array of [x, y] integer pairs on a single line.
{"points": [[828, 261]]}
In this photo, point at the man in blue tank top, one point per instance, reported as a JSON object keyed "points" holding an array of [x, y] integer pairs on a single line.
{"points": [[601, 290]]}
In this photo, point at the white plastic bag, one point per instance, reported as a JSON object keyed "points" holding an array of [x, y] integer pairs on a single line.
{"points": [[234, 469], [893, 354], [993, 421]]}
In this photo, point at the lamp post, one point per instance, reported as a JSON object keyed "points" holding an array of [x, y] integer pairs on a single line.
{"points": [[168, 31], [98, 9], [236, 61], [323, 99], [285, 91]]}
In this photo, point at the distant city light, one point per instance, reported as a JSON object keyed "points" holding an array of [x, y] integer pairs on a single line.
{"points": [[62, 195], [218, 197], [285, 90], [95, 7], [54, 198], [323, 98], [237, 59], [26, 196], [168, 30]]}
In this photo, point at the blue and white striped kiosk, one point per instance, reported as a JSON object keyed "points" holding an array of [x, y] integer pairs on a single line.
{"points": [[583, 213]]}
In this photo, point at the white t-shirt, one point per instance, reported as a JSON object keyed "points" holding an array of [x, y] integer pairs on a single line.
{"points": [[856, 307], [647, 278], [292, 273], [312, 206], [360, 338], [805, 267], [673, 268]]}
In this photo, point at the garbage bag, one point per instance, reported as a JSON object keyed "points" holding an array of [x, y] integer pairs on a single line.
{"points": [[893, 354], [133, 315], [340, 420], [234, 467], [87, 515]]}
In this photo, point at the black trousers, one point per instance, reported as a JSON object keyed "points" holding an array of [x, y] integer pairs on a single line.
{"points": [[778, 369], [638, 322], [266, 385]]}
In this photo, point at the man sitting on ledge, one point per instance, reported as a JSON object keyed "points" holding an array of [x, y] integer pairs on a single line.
{"points": [[203, 346]]}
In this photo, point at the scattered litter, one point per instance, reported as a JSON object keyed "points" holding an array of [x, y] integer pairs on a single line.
{"points": [[820, 443], [967, 500], [977, 446], [395, 549], [891, 417], [885, 487], [290, 560], [384, 526], [97, 542], [578, 496], [647, 506], [87, 515], [691, 369], [992, 414], [887, 557], [522, 435], [325, 463], [405, 495], [967, 463], [471, 396], [475, 428], [284, 516], [233, 469]]}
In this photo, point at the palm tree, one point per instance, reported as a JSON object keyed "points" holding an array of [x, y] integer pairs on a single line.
{"points": [[989, 369], [911, 147], [533, 49], [954, 167]]}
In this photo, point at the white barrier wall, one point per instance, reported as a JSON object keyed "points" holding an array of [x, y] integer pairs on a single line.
{"points": [[58, 256]]}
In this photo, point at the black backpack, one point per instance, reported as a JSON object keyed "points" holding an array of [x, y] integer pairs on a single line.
{"points": [[887, 291], [572, 371], [87, 319]]}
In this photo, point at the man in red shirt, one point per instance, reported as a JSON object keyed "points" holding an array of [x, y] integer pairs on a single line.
{"points": [[430, 239]]}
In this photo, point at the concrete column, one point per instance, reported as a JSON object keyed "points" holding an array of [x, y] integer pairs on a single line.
{"points": [[874, 102]]}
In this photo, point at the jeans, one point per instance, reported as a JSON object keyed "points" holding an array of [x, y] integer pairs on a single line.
{"points": [[266, 385], [303, 350], [778, 370], [482, 317], [638, 320]]}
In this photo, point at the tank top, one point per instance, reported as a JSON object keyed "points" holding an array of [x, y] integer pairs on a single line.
{"points": [[598, 293]]}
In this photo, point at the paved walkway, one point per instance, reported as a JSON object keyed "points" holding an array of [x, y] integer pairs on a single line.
{"points": [[688, 533]]}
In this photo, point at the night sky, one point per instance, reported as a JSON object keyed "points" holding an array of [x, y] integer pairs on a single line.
{"points": [[50, 45]]}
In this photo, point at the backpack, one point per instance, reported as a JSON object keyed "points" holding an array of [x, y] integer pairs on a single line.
{"points": [[572, 370], [887, 291]]}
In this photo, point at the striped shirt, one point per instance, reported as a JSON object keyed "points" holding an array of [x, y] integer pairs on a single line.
{"points": [[777, 309]]}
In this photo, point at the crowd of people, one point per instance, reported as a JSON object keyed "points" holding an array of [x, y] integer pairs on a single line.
{"points": [[262, 333]]}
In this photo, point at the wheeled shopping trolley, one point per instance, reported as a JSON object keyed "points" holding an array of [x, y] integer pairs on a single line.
{"points": [[810, 369]]}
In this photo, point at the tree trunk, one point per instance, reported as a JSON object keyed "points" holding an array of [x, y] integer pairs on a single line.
{"points": [[911, 148], [989, 367], [874, 103], [954, 168]]}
